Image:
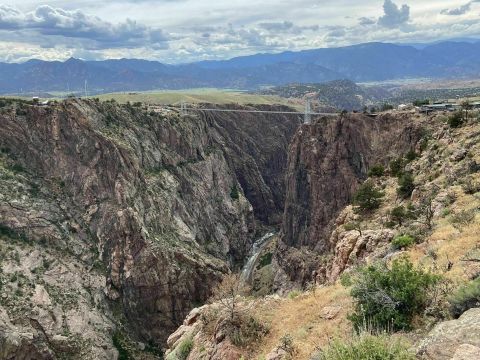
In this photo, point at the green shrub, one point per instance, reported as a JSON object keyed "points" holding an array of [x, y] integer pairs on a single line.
{"points": [[386, 107], [234, 194], [389, 298], [446, 212], [419, 102], [246, 330], [405, 185], [12, 234], [119, 343], [410, 155], [465, 298], [367, 197], [403, 241], [354, 225], [17, 168], [376, 171], [462, 219], [397, 166], [398, 214], [470, 186], [265, 259], [293, 294], [455, 120], [183, 350], [424, 144], [287, 345], [346, 279], [366, 347]]}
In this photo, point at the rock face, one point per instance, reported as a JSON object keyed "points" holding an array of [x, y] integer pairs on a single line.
{"points": [[147, 201], [455, 339], [327, 162]]}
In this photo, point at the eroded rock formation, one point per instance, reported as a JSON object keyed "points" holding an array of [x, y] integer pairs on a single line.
{"points": [[144, 200], [327, 162]]}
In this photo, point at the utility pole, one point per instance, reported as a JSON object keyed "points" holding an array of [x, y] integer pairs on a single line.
{"points": [[86, 94], [307, 117]]}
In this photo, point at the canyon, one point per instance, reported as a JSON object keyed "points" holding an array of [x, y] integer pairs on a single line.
{"points": [[155, 207], [133, 217]]}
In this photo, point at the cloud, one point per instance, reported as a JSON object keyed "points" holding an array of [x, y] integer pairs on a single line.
{"points": [[48, 21], [460, 10], [393, 15], [277, 26], [366, 21], [286, 26], [198, 29]]}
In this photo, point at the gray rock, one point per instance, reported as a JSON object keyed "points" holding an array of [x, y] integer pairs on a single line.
{"points": [[459, 155], [453, 338]]}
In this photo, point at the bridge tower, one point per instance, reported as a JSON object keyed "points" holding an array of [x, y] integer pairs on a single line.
{"points": [[183, 108], [308, 116]]}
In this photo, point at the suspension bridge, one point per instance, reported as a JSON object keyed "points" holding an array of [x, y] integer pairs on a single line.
{"points": [[307, 114]]}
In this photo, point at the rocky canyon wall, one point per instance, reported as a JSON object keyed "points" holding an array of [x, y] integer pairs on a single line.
{"points": [[146, 201], [327, 162]]}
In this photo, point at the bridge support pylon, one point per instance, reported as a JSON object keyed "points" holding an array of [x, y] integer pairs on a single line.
{"points": [[183, 108], [308, 113]]}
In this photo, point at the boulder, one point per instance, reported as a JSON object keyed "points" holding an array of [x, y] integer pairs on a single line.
{"points": [[458, 155], [454, 339], [330, 312], [467, 352], [276, 354]]}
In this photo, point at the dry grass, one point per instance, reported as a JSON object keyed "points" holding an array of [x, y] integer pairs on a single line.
{"points": [[301, 319], [450, 244], [196, 96]]}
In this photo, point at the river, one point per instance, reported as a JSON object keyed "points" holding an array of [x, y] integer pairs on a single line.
{"points": [[255, 252]]}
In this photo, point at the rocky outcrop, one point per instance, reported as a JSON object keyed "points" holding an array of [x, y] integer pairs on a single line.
{"points": [[256, 146], [327, 162], [147, 200], [348, 247], [211, 344], [454, 340]]}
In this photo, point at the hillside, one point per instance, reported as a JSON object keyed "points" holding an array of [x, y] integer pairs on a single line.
{"points": [[303, 323], [198, 96], [359, 63], [339, 94]]}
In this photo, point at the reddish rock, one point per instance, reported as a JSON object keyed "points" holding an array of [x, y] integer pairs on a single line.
{"points": [[327, 162]]}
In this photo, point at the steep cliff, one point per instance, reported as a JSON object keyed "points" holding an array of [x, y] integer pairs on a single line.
{"points": [[327, 162], [134, 215], [440, 219]]}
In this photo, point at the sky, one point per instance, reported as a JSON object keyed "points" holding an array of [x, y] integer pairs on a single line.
{"points": [[180, 31]]}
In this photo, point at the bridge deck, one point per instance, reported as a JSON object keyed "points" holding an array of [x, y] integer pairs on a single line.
{"points": [[259, 111]]}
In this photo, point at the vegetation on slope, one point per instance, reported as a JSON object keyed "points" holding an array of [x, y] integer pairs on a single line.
{"points": [[427, 236]]}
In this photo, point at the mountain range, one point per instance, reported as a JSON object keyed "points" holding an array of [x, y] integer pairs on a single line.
{"points": [[360, 63]]}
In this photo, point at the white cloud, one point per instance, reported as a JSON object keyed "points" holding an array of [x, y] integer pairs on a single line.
{"points": [[462, 10], [189, 30], [48, 21], [394, 16]]}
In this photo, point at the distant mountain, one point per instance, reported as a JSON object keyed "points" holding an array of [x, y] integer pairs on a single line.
{"points": [[360, 63]]}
